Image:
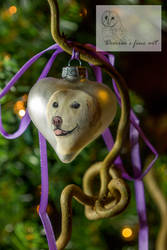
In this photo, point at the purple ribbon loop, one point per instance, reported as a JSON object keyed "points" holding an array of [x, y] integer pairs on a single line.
{"points": [[135, 131], [139, 188], [24, 68], [134, 120], [75, 55], [25, 121]]}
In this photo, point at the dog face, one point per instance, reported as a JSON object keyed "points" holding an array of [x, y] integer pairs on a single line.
{"points": [[72, 115]]}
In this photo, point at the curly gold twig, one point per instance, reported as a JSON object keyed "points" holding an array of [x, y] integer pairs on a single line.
{"points": [[66, 199], [116, 201], [117, 196], [113, 195]]}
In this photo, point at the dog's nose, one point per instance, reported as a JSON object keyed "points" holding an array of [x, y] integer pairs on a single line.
{"points": [[57, 121]]}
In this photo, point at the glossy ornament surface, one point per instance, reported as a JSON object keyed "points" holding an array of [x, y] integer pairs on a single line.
{"points": [[70, 114]]}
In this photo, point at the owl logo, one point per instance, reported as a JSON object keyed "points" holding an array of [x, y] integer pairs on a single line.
{"points": [[113, 30], [110, 18]]}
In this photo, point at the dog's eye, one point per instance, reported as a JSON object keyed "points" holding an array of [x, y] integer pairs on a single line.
{"points": [[75, 105], [55, 105]]}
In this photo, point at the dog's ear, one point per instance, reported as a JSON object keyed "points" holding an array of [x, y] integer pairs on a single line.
{"points": [[94, 110]]}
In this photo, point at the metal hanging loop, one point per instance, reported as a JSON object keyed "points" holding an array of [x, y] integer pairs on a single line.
{"points": [[74, 73], [75, 56]]}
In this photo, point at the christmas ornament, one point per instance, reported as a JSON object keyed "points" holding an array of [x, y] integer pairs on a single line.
{"points": [[71, 112]]}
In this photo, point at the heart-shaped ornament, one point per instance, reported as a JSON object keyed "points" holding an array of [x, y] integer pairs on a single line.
{"points": [[70, 114]]}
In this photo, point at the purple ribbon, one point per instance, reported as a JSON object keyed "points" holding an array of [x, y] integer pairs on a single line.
{"points": [[134, 121], [44, 194], [25, 121], [75, 55], [43, 151], [139, 189], [135, 131]]}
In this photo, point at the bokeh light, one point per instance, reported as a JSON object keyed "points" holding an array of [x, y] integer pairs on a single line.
{"points": [[127, 233], [103, 95], [7, 57], [83, 12], [19, 106], [37, 209], [12, 10], [22, 112]]}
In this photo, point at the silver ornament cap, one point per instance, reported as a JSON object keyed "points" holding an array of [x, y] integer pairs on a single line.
{"points": [[73, 73]]}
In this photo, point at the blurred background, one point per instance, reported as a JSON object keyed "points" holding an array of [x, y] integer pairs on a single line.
{"points": [[24, 31]]}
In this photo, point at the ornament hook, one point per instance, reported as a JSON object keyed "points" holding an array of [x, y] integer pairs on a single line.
{"points": [[73, 73], [75, 56]]}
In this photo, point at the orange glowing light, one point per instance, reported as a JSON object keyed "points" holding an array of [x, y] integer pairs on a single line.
{"points": [[18, 106], [103, 95], [7, 57], [49, 209], [83, 12], [19, 109], [38, 209], [127, 232], [29, 236], [12, 10]]}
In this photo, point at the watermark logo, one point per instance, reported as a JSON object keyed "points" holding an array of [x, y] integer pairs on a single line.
{"points": [[110, 18], [128, 28], [113, 30]]}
